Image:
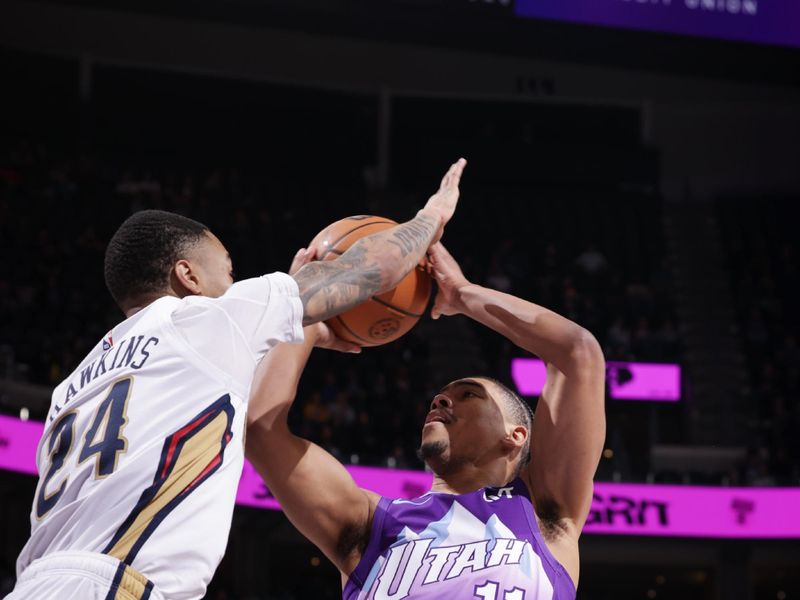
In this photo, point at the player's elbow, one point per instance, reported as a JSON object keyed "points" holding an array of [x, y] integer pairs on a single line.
{"points": [[586, 354]]}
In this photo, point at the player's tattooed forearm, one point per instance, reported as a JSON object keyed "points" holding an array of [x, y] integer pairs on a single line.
{"points": [[413, 235], [330, 288]]}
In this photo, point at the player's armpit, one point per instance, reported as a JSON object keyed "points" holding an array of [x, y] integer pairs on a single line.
{"points": [[316, 492]]}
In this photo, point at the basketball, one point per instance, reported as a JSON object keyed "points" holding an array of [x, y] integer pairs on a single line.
{"points": [[383, 318]]}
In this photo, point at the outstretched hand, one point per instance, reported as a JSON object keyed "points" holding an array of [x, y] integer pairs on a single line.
{"points": [[449, 279], [443, 203]]}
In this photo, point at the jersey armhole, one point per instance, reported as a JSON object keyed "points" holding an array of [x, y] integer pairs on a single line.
{"points": [[372, 551]]}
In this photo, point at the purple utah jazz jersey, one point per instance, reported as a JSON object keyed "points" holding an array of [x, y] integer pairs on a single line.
{"points": [[485, 545]]}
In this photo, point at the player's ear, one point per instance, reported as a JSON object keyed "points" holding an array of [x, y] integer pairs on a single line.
{"points": [[516, 437], [185, 279]]}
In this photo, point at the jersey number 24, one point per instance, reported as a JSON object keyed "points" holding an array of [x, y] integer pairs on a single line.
{"points": [[103, 441]]}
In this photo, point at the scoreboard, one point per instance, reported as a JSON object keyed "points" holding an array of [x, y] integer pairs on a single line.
{"points": [[773, 22]]}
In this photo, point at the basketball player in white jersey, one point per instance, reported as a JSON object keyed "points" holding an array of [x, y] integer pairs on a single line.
{"points": [[510, 494], [143, 444]]}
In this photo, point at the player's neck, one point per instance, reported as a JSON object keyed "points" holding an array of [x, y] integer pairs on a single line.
{"points": [[469, 478], [144, 301]]}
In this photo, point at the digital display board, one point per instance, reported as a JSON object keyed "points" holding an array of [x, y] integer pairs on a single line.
{"points": [[775, 22], [626, 380], [617, 508]]}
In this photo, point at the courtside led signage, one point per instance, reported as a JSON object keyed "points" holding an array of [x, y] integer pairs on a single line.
{"points": [[617, 508]]}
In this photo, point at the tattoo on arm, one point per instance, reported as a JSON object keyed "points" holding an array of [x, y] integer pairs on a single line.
{"points": [[372, 265], [328, 288], [411, 235]]}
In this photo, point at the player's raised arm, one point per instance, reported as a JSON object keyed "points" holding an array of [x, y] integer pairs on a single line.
{"points": [[569, 424], [377, 262], [316, 492]]}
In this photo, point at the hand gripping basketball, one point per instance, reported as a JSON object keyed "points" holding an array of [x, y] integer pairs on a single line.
{"points": [[449, 279]]}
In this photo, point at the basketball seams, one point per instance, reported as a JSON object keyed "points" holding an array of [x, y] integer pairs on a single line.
{"points": [[402, 311], [346, 327]]}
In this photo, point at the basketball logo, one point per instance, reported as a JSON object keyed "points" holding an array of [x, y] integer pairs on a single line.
{"points": [[384, 328]]}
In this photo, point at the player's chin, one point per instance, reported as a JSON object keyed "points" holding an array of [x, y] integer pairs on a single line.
{"points": [[435, 428], [432, 449], [433, 432]]}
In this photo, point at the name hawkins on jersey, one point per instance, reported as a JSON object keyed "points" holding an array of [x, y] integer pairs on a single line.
{"points": [[131, 352]]}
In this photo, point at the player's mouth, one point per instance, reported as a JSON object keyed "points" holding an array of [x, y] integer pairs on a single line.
{"points": [[438, 416]]}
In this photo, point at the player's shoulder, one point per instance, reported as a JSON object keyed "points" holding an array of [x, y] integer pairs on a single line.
{"points": [[262, 287], [252, 290]]}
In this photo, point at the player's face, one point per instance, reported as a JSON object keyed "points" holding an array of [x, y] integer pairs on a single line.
{"points": [[213, 267], [466, 424]]}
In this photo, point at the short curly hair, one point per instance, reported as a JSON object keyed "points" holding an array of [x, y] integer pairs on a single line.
{"points": [[141, 253]]}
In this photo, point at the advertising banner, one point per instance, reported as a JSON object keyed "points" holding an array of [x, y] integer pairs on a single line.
{"points": [[617, 508], [626, 380]]}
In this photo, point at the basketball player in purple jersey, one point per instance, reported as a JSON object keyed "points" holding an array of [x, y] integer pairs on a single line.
{"points": [[510, 495]]}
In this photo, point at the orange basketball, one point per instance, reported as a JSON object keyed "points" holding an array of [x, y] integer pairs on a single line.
{"points": [[383, 318]]}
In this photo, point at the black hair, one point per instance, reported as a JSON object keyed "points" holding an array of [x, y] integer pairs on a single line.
{"points": [[520, 413], [141, 253]]}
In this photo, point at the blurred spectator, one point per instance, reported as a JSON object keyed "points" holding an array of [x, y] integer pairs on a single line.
{"points": [[591, 260], [761, 245]]}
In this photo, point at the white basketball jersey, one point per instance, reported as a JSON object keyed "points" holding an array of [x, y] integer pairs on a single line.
{"points": [[143, 445]]}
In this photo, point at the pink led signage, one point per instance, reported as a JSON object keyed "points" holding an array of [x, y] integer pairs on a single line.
{"points": [[392, 483], [688, 511], [18, 443], [644, 381], [529, 375], [626, 380], [617, 509]]}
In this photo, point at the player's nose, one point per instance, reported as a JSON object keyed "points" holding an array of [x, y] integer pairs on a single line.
{"points": [[441, 401]]}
